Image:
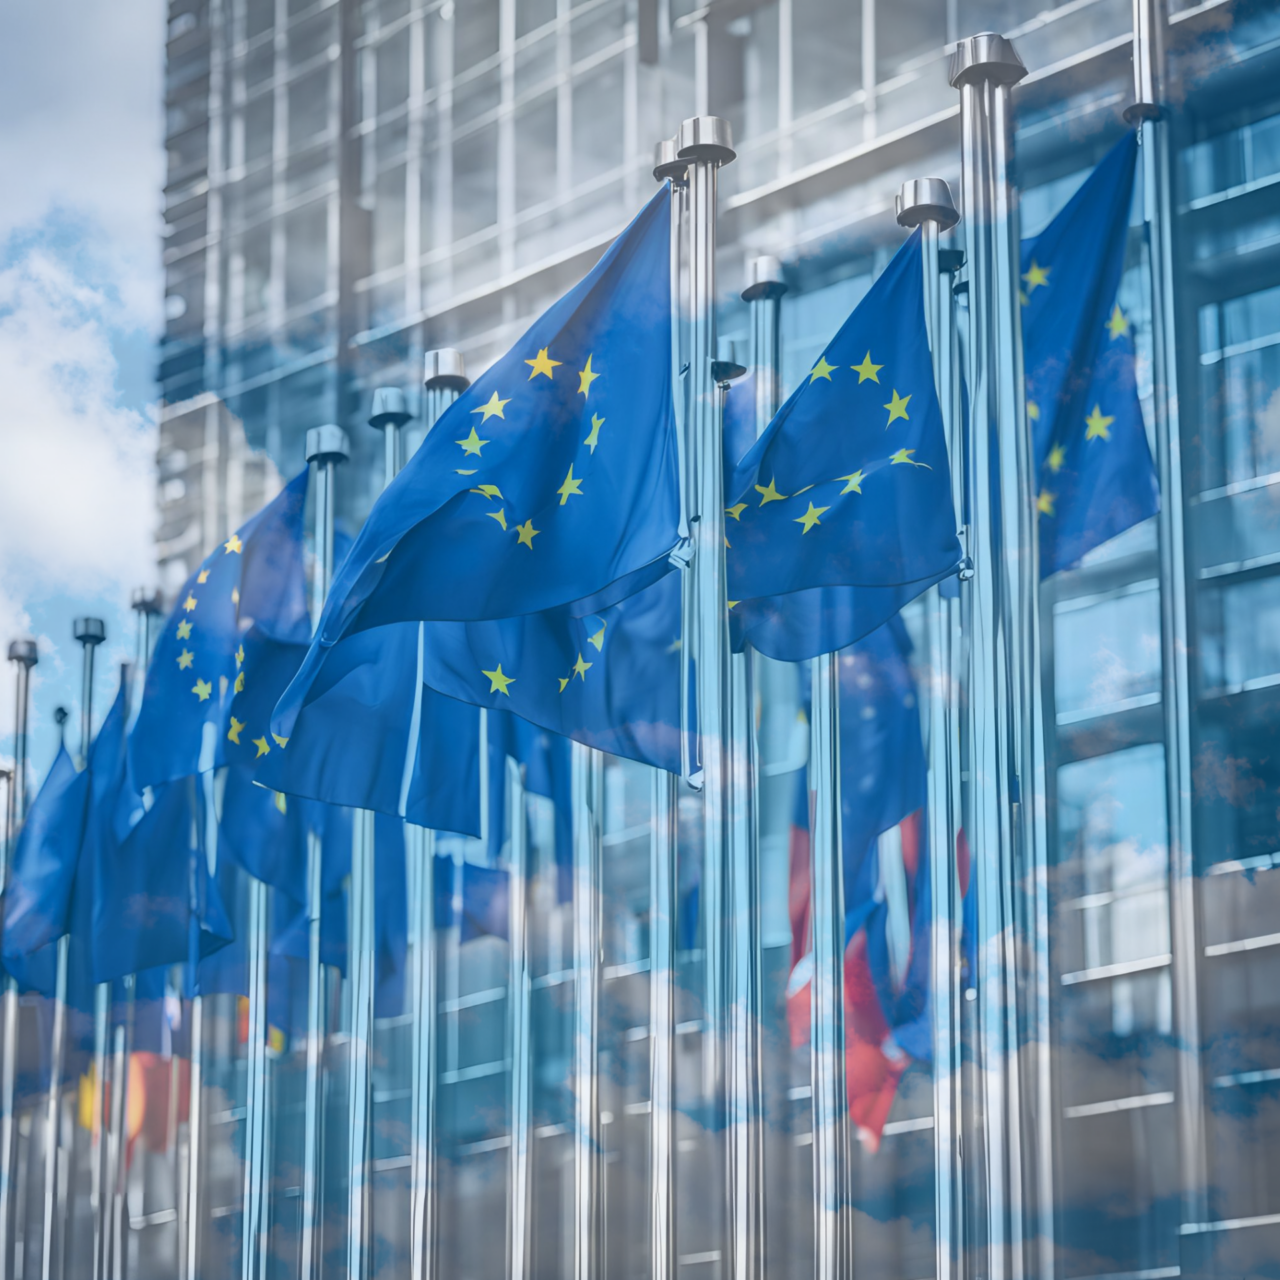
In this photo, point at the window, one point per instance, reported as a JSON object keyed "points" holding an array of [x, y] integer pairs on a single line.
{"points": [[1106, 651], [392, 68], [597, 123], [536, 152], [826, 52], [1240, 634], [308, 108], [475, 182], [259, 121], [476, 32], [388, 219], [306, 254], [257, 271]]}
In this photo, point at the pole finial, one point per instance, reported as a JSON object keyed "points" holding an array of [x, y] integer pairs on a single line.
{"points": [[89, 631], [328, 443], [24, 650], [145, 600], [706, 138], [445, 370], [764, 278], [390, 409], [667, 162], [926, 200], [986, 56]]}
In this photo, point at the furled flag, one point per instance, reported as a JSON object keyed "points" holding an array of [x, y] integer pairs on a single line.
{"points": [[257, 575], [553, 478], [848, 487], [1096, 477]]}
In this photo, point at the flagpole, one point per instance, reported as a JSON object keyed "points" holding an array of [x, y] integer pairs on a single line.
{"points": [[588, 799], [326, 446], [663, 882], [444, 378], [1006, 724], [1152, 118], [520, 1185], [190, 1221], [23, 652], [927, 203]]}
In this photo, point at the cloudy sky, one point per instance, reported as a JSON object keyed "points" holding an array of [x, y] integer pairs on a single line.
{"points": [[81, 84]]}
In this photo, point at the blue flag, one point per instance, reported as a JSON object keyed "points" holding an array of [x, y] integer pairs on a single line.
{"points": [[194, 669], [1094, 465], [485, 902], [552, 478], [848, 487], [42, 871]]}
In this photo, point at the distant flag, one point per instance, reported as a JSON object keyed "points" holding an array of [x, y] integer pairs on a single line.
{"points": [[553, 478], [841, 513], [196, 666], [1096, 477]]}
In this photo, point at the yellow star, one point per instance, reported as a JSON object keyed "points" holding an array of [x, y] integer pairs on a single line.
{"points": [[500, 516], [1033, 411], [904, 455], [189, 603], [1118, 324], [769, 493], [239, 687], [233, 734], [810, 517], [280, 742], [222, 686], [853, 483], [542, 363], [240, 656], [233, 545], [822, 370], [493, 409], [472, 443], [1035, 276], [283, 805], [202, 689], [525, 534], [736, 510], [581, 668], [1057, 456], [185, 659], [598, 638], [1044, 503], [184, 630], [1097, 424], [897, 408], [489, 490], [458, 472], [585, 378], [867, 370], [570, 486], [497, 681], [594, 438], [263, 746], [202, 577], [564, 682]]}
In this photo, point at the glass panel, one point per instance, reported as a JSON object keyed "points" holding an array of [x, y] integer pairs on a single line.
{"points": [[476, 32], [1107, 651], [306, 254], [597, 122], [826, 52], [259, 119], [1241, 641], [536, 152], [388, 219], [475, 182], [392, 71], [308, 108]]}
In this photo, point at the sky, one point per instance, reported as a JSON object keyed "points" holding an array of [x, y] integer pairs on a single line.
{"points": [[81, 292]]}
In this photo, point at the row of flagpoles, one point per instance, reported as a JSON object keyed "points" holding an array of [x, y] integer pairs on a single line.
{"points": [[986, 789]]}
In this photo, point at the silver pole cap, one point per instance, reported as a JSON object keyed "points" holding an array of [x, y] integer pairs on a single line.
{"points": [[445, 371], [986, 56], [144, 600], [926, 200], [89, 630], [24, 650], [60, 716], [390, 409], [764, 278], [705, 138], [327, 444], [667, 163]]}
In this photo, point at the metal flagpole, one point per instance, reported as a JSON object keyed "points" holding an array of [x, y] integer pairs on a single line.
{"points": [[927, 203], [663, 883], [190, 1219], [326, 446], [1006, 726], [23, 652], [520, 1185], [445, 378], [588, 798], [706, 143], [1147, 111], [254, 1246]]}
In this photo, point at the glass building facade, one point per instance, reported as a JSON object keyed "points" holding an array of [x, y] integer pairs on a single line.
{"points": [[352, 184]]}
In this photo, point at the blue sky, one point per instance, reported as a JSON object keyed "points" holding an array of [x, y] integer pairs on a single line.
{"points": [[81, 287]]}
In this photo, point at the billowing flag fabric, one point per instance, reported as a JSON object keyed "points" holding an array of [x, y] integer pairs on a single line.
{"points": [[1096, 477], [38, 895], [194, 668], [610, 679], [554, 476], [849, 486], [485, 902]]}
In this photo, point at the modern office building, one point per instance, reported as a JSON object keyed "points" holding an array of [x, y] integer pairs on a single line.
{"points": [[352, 183]]}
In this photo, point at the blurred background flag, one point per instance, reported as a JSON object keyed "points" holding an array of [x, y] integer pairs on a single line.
{"points": [[553, 477], [1096, 476], [849, 486]]}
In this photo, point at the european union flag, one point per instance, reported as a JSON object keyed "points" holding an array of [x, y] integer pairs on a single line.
{"points": [[196, 664], [849, 486], [1094, 465], [553, 477]]}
